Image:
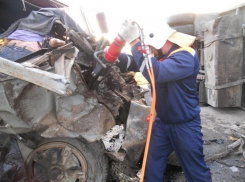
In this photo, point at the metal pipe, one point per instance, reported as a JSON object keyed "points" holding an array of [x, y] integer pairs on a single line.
{"points": [[97, 59]]}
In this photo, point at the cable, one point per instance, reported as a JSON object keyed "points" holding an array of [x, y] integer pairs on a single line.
{"points": [[146, 53], [152, 112]]}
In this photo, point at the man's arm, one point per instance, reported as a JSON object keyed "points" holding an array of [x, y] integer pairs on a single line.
{"points": [[126, 63], [176, 67]]}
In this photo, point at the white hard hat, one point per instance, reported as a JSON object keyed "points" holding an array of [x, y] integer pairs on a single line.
{"points": [[157, 34]]}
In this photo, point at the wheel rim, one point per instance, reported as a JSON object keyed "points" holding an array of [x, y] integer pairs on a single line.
{"points": [[56, 161]]}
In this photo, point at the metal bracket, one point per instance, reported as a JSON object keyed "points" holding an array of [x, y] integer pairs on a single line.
{"points": [[97, 59], [231, 84], [8, 126], [53, 82]]}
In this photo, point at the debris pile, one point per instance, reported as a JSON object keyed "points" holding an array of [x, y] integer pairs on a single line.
{"points": [[238, 137], [114, 138]]}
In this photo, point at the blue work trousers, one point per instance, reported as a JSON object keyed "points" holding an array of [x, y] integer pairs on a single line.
{"points": [[11, 52], [186, 140]]}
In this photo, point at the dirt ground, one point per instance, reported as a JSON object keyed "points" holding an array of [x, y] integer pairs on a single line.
{"points": [[215, 127]]}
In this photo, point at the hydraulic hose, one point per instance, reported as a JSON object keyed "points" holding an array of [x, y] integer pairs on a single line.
{"points": [[146, 53], [152, 112]]}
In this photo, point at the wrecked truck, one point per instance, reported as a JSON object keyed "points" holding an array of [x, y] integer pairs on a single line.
{"points": [[220, 47], [77, 121]]}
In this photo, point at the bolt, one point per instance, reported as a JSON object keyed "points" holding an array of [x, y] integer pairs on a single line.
{"points": [[151, 35], [39, 157]]}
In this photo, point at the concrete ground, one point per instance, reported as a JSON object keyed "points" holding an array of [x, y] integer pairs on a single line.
{"points": [[215, 127]]}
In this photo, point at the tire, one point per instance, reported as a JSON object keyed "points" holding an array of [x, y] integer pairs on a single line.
{"points": [[91, 163], [81, 43], [187, 29], [181, 19]]}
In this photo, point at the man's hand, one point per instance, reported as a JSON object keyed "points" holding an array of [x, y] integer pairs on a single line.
{"points": [[129, 31]]}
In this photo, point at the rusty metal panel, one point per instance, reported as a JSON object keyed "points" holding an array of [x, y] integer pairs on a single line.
{"points": [[9, 91], [26, 106], [227, 97], [136, 132], [63, 66], [36, 106], [84, 115], [223, 59]]}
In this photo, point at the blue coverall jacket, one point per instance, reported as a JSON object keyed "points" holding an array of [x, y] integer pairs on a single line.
{"points": [[177, 126], [175, 78]]}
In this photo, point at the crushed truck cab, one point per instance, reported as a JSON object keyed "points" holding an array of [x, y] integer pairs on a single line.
{"points": [[54, 104]]}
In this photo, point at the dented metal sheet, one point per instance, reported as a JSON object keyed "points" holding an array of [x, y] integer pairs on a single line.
{"points": [[136, 132], [223, 61], [50, 81], [63, 66], [84, 115]]}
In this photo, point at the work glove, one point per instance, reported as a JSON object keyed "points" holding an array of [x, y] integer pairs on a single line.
{"points": [[128, 31]]}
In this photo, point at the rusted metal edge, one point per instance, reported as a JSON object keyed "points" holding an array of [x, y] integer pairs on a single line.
{"points": [[53, 82], [231, 84], [220, 38]]}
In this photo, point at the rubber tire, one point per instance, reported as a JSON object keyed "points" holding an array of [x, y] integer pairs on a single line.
{"points": [[181, 19], [80, 42], [97, 161], [187, 29]]}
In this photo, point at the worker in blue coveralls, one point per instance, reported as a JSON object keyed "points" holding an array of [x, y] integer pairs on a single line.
{"points": [[177, 126]]}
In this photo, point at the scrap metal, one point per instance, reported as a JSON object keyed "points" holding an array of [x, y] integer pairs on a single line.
{"points": [[114, 138], [50, 81], [59, 102], [136, 132]]}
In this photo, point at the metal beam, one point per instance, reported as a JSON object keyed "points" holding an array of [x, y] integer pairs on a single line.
{"points": [[50, 81]]}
